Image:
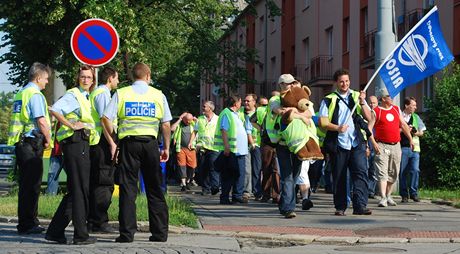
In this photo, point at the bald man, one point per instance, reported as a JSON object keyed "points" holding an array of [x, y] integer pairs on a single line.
{"points": [[185, 148]]}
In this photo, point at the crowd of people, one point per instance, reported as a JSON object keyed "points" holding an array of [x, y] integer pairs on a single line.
{"points": [[245, 152]]}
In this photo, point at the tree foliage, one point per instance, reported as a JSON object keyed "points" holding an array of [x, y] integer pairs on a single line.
{"points": [[178, 39], [440, 157], [6, 102]]}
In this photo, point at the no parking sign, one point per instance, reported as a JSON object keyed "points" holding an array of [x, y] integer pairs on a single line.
{"points": [[94, 42]]}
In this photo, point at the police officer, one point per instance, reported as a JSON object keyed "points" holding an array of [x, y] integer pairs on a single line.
{"points": [[76, 134], [30, 132], [141, 110], [102, 170]]}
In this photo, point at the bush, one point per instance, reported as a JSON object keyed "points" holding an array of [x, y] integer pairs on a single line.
{"points": [[440, 157]]}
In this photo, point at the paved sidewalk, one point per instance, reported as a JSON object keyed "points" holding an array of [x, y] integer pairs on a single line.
{"points": [[409, 222]]}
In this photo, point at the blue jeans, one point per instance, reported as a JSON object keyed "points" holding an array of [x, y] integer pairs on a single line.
{"points": [[55, 166], [208, 172], [410, 161], [371, 173], [256, 165], [353, 160], [290, 167], [232, 181]]}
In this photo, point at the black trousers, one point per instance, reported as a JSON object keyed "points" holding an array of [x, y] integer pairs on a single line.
{"points": [[101, 183], [29, 154], [137, 153], [75, 204]]}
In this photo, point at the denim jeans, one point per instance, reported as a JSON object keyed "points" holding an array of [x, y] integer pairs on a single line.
{"points": [[371, 173], [256, 166], [231, 181], [290, 167], [209, 175], [55, 166], [410, 161], [247, 189]]}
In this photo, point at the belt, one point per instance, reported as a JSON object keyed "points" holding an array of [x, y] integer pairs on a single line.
{"points": [[388, 143]]}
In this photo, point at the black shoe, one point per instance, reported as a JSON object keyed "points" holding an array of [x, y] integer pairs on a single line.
{"points": [[121, 239], [214, 191], [105, 229], [371, 195], [183, 189], [364, 211], [187, 186], [154, 239], [205, 192], [404, 199], [265, 199], [32, 230], [415, 198], [307, 204], [339, 213], [225, 202], [239, 200], [289, 215], [60, 240], [89, 240], [257, 198]]}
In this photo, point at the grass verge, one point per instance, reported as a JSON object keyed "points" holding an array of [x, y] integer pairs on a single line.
{"points": [[448, 195], [180, 211]]}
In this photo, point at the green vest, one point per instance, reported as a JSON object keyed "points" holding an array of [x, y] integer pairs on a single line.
{"points": [[415, 139], [177, 136], [94, 113], [231, 133], [321, 133], [20, 122], [86, 118], [297, 134], [139, 114], [261, 112], [334, 98], [255, 133], [271, 120], [206, 132]]}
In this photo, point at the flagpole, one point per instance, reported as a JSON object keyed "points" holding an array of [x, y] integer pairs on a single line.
{"points": [[435, 8]]}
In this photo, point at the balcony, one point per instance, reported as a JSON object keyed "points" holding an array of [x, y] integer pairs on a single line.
{"points": [[320, 69], [368, 50], [408, 20]]}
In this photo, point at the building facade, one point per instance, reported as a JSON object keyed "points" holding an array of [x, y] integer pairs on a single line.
{"points": [[313, 38]]}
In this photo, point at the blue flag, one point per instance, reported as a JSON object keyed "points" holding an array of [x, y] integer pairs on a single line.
{"points": [[420, 54]]}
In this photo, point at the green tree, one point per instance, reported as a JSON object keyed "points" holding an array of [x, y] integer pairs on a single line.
{"points": [[440, 157], [6, 102]]}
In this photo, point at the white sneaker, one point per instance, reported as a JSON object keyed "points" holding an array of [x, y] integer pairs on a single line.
{"points": [[383, 202], [391, 202]]}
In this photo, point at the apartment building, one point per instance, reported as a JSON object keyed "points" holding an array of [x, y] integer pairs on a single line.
{"points": [[313, 38]]}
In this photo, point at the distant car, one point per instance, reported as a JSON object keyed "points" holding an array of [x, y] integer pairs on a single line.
{"points": [[7, 158]]}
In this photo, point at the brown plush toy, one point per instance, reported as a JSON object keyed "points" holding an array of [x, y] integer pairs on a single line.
{"points": [[301, 138]]}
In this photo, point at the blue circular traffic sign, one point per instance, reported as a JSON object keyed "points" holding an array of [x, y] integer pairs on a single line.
{"points": [[94, 42]]}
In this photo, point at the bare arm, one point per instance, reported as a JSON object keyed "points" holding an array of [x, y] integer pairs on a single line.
{"points": [[192, 138], [166, 131], [174, 125], [45, 130], [364, 107]]}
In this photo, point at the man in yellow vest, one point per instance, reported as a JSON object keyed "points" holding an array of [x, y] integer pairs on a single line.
{"points": [[231, 139], [205, 128], [410, 159], [30, 132], [185, 149], [141, 111], [102, 170]]}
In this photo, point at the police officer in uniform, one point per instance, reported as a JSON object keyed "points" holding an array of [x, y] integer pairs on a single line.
{"points": [[141, 110], [102, 169], [30, 132], [76, 134]]}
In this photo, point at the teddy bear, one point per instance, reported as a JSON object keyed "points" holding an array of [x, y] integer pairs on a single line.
{"points": [[301, 137]]}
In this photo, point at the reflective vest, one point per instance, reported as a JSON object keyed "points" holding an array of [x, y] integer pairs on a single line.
{"points": [[94, 113], [20, 119], [255, 133], [334, 97], [297, 134], [177, 136], [273, 120], [416, 139], [231, 132], [86, 118], [321, 133], [139, 114], [206, 132], [261, 112]]}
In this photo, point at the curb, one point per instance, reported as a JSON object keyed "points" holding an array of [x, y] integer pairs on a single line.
{"points": [[295, 239]]}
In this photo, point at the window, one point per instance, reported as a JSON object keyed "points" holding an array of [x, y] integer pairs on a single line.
{"points": [[306, 3], [306, 50], [330, 41], [274, 21], [261, 27], [346, 34], [366, 25]]}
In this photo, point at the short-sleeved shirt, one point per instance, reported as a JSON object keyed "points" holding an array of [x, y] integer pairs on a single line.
{"points": [[139, 87], [186, 134], [68, 104], [348, 139], [36, 108], [102, 100], [242, 132]]}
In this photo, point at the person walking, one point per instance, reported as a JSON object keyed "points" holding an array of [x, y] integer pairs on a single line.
{"points": [[102, 169], [77, 133], [345, 143], [141, 111], [30, 133], [410, 159]]}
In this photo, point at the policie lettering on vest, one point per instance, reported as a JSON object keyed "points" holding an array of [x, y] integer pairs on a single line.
{"points": [[146, 109]]}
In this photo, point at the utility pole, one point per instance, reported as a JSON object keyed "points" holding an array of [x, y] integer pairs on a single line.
{"points": [[385, 40]]}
